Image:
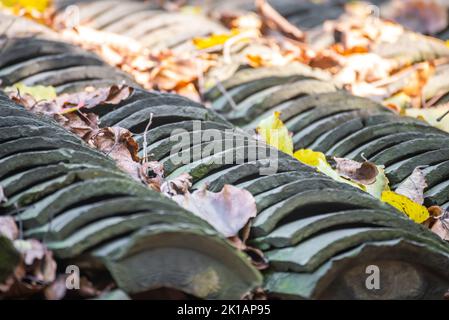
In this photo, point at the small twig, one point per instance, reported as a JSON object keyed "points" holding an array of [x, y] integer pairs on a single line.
{"points": [[444, 115], [277, 22], [225, 93], [397, 76], [200, 76], [227, 57], [145, 156], [434, 99]]}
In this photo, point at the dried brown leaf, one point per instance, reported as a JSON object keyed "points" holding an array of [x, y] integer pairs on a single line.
{"points": [[36, 270], [88, 99], [119, 144], [152, 173], [179, 185], [413, 187], [256, 256], [24, 99], [441, 226], [228, 211], [81, 124], [361, 172], [435, 213]]}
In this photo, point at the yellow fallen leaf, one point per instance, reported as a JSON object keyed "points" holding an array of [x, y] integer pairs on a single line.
{"points": [[275, 133], [309, 157], [318, 160], [39, 93], [413, 210], [214, 40], [28, 5], [255, 60], [326, 168]]}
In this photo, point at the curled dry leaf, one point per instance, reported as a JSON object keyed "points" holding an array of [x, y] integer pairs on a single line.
{"points": [[413, 187], [38, 258], [8, 227], [435, 213], [119, 144], [36, 270], [361, 172], [40, 99], [228, 211], [81, 124], [23, 99], [256, 256], [179, 185], [152, 173], [89, 99], [441, 226]]}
